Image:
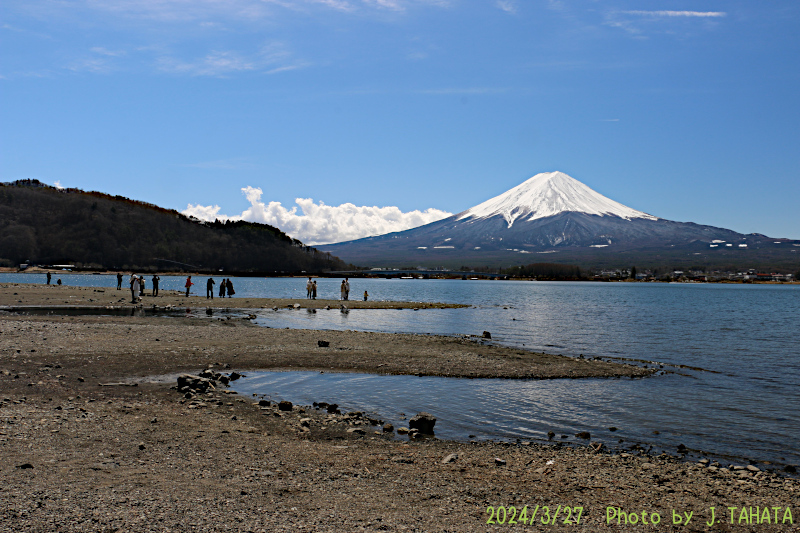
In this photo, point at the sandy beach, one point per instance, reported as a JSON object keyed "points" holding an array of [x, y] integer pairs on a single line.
{"points": [[91, 441]]}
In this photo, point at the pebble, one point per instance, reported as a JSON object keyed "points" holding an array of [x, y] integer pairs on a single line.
{"points": [[450, 458]]}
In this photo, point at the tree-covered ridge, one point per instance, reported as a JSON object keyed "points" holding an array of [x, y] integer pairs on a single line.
{"points": [[46, 225]]}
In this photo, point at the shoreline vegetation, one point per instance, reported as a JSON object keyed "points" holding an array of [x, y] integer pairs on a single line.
{"points": [[91, 441]]}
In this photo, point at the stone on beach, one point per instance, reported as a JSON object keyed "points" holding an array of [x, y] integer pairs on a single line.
{"points": [[423, 422]]}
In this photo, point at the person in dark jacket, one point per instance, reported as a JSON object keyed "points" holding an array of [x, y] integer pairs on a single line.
{"points": [[210, 288]]}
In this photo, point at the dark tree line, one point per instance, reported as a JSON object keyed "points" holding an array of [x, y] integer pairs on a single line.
{"points": [[548, 271], [45, 225]]}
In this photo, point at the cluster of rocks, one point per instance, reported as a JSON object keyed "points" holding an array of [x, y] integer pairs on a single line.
{"points": [[330, 417], [420, 426], [205, 381]]}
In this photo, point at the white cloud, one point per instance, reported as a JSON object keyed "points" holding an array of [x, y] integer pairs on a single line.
{"points": [[702, 14], [509, 6], [317, 223]]}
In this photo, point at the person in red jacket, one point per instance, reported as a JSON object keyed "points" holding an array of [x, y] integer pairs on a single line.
{"points": [[188, 285]]}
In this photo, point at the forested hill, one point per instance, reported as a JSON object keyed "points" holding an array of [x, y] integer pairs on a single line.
{"points": [[46, 225]]}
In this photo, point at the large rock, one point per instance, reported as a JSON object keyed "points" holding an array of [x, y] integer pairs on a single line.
{"points": [[423, 422], [189, 382]]}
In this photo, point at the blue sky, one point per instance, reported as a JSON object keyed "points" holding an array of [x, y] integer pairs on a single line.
{"points": [[687, 110]]}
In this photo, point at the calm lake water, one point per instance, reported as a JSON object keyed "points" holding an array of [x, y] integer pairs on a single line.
{"points": [[740, 399]]}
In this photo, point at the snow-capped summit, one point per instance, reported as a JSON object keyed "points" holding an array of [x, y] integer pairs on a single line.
{"points": [[548, 194], [552, 213]]}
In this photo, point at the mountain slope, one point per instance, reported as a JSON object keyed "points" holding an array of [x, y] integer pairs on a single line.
{"points": [[45, 225], [552, 213]]}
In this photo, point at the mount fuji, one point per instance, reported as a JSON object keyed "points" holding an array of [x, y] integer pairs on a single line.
{"points": [[553, 213]]}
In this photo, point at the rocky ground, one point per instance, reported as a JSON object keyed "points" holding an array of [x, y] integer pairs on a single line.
{"points": [[89, 443]]}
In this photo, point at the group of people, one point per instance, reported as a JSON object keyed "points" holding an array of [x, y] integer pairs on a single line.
{"points": [[226, 285], [311, 289], [137, 284]]}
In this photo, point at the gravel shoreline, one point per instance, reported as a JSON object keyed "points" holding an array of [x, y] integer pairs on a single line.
{"points": [[83, 450]]}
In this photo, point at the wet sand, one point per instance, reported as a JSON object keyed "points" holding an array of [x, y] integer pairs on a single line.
{"points": [[85, 450]]}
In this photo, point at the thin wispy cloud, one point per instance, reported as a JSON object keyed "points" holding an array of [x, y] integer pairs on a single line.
{"points": [[271, 59], [99, 61], [701, 14], [216, 63], [317, 223], [183, 10], [638, 23], [396, 5], [171, 11], [94, 65], [509, 6], [106, 52], [464, 90]]}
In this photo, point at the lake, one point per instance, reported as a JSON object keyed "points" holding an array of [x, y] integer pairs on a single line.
{"points": [[740, 398]]}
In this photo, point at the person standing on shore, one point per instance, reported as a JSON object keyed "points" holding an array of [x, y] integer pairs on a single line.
{"points": [[222, 285], [155, 284], [314, 290], [346, 288], [229, 286], [366, 295], [134, 291], [141, 286], [188, 285], [342, 291], [50, 276], [119, 280], [134, 288], [309, 287], [210, 288]]}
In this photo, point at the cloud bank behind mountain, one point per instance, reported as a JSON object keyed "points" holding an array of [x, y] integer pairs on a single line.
{"points": [[317, 223]]}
